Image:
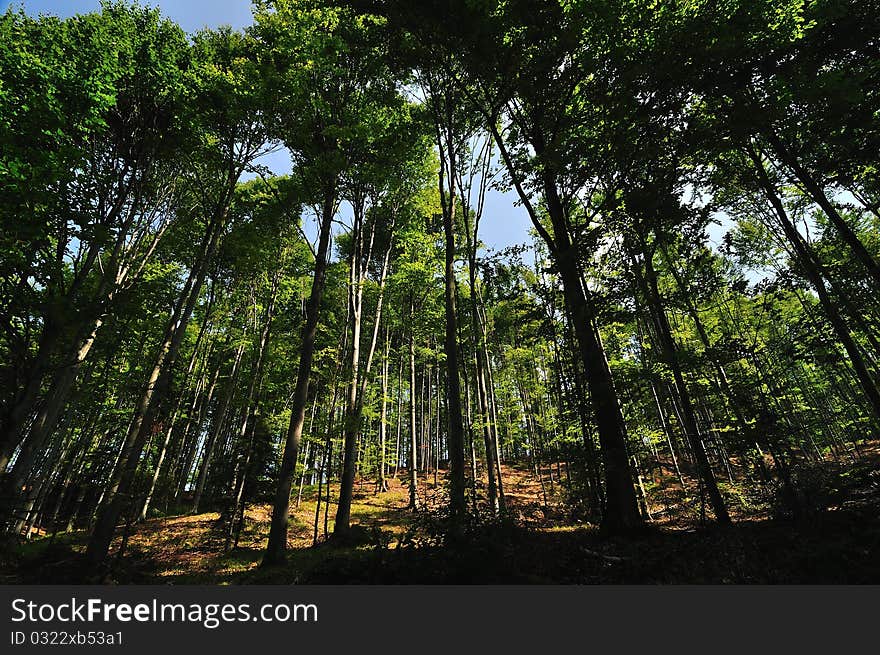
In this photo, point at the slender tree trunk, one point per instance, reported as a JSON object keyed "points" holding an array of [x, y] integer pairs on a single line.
{"points": [[358, 271], [493, 413], [382, 484], [277, 545], [399, 416], [351, 424], [455, 427], [413, 462]]}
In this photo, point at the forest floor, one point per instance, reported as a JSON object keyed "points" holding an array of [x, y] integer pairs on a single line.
{"points": [[836, 540]]}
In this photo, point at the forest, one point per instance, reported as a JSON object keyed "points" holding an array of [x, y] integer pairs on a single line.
{"points": [[210, 372]]}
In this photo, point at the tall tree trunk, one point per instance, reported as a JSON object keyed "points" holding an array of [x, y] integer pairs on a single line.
{"points": [[399, 413], [360, 377], [276, 548], [352, 421], [621, 505], [382, 483], [413, 446], [493, 413], [621, 513], [455, 424]]}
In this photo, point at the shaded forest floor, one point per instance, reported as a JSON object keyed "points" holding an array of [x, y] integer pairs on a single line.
{"points": [[835, 540]]}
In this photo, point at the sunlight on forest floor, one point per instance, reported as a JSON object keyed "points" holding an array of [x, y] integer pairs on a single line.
{"points": [[541, 542]]}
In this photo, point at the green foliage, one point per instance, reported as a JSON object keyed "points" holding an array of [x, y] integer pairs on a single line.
{"points": [[633, 131]]}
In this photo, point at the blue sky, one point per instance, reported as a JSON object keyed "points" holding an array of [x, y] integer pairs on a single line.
{"points": [[190, 14], [503, 223]]}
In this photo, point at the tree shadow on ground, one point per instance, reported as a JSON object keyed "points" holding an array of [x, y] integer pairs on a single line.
{"points": [[838, 547]]}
